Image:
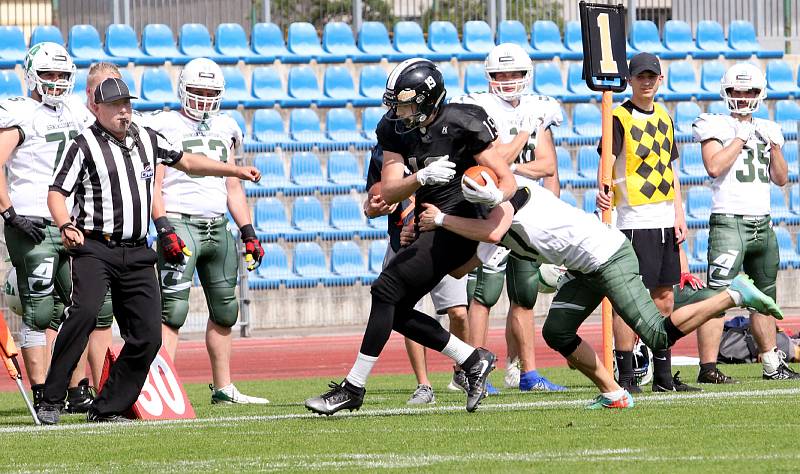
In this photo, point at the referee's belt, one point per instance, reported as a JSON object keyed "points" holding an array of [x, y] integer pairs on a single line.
{"points": [[190, 217], [40, 221], [745, 217], [111, 243]]}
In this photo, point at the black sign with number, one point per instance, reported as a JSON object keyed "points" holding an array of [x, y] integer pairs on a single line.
{"points": [[604, 46]]}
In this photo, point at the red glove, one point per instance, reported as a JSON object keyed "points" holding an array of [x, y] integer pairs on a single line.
{"points": [[692, 280], [253, 253], [172, 247]]}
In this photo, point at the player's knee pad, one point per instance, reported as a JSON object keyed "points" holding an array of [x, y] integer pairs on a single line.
{"points": [[488, 287], [523, 283], [39, 312], [30, 337], [558, 338], [223, 309], [386, 289], [174, 309]]}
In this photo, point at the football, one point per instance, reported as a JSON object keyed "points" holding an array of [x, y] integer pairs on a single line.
{"points": [[12, 293], [474, 173]]}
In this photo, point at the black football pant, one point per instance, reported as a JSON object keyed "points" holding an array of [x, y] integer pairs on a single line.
{"points": [[130, 273], [409, 276]]}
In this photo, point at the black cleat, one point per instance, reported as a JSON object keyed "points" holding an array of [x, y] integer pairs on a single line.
{"points": [[94, 417], [79, 398], [340, 397], [632, 388], [477, 376], [675, 385], [784, 372], [38, 395], [49, 414], [714, 376]]}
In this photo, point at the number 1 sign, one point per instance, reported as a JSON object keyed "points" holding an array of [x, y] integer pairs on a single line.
{"points": [[604, 46]]}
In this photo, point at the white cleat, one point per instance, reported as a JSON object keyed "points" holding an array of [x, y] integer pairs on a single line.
{"points": [[230, 394]]}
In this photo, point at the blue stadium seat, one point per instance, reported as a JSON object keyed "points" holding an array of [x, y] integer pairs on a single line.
{"points": [[270, 220], [46, 33], [698, 261], [681, 82], [347, 217], [308, 218], [573, 41], [10, 85], [340, 124], [157, 41], [513, 31], [586, 120], [122, 42], [451, 82], [564, 133], [266, 40], [371, 86], [409, 39], [790, 154], [546, 40], [369, 121], [305, 171], [477, 40], [127, 76], [692, 169], [742, 37], [685, 115], [195, 42], [380, 224], [678, 41], [567, 175], [718, 107], [308, 261], [579, 91], [157, 90], [644, 37], [588, 162], [238, 117], [786, 250], [302, 41], [779, 209], [569, 198], [348, 263], [590, 200], [337, 87], [762, 112], [85, 47], [269, 130], [337, 38], [711, 39], [302, 87], [267, 86], [475, 79], [794, 199], [12, 46], [274, 269], [236, 91], [787, 114], [273, 176], [547, 81], [698, 206], [377, 252], [304, 126], [80, 85], [373, 38], [231, 40], [343, 171], [710, 78], [780, 80], [443, 39]]}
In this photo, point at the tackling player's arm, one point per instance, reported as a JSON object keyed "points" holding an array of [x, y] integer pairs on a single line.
{"points": [[545, 164], [492, 229], [505, 179]]}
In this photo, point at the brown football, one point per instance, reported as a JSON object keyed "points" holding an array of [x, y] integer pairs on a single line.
{"points": [[474, 173]]}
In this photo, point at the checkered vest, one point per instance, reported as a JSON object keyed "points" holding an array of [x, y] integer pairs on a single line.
{"points": [[648, 150]]}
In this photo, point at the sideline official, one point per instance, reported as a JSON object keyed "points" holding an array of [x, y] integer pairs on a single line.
{"points": [[109, 169]]}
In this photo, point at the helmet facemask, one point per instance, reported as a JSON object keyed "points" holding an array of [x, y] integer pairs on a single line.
{"points": [[54, 92], [742, 105], [509, 90], [197, 106], [408, 97], [45, 58]]}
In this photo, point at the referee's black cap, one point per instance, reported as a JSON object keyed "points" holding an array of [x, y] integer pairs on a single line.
{"points": [[112, 89]]}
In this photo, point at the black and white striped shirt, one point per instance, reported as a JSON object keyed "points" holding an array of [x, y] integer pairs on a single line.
{"points": [[113, 181]]}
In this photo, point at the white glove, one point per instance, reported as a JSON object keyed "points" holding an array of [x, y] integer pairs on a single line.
{"points": [[488, 194], [770, 134], [744, 130], [438, 172], [529, 123]]}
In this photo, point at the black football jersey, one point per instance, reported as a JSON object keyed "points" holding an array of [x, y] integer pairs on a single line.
{"points": [[459, 132]]}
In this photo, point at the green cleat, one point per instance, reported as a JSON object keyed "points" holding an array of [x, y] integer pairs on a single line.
{"points": [[753, 299]]}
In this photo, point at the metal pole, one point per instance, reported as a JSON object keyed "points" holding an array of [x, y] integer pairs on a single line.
{"points": [[631, 15], [126, 11], [358, 8], [502, 13], [115, 7], [267, 11], [492, 14], [787, 25]]}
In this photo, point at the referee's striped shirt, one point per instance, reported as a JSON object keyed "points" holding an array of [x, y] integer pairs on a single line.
{"points": [[113, 181]]}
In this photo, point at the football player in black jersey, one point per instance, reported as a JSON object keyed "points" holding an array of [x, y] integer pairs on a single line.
{"points": [[437, 143]]}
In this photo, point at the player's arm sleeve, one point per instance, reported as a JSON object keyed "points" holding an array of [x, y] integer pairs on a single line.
{"points": [[703, 129], [479, 130], [375, 166], [388, 139], [552, 114], [12, 117], [70, 171]]}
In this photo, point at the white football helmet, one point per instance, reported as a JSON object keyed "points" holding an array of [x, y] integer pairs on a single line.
{"points": [[45, 57], [11, 292], [743, 77], [201, 73], [508, 57]]}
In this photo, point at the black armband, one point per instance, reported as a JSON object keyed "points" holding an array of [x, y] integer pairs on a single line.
{"points": [[9, 214], [248, 232], [163, 225], [66, 226]]}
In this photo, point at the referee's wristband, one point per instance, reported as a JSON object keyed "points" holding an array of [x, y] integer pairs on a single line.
{"points": [[68, 225]]}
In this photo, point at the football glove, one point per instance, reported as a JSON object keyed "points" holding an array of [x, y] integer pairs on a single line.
{"points": [[488, 194], [770, 134], [24, 225], [694, 282], [253, 253], [438, 172], [744, 130], [172, 247]]}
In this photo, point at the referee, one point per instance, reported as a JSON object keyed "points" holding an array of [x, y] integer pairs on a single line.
{"points": [[109, 169]]}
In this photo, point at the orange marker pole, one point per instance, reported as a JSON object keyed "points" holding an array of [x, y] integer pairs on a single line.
{"points": [[605, 178], [8, 354]]}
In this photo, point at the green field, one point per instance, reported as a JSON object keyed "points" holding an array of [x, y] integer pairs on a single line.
{"points": [[749, 427]]}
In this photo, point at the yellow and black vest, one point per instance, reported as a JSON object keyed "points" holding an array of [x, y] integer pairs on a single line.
{"points": [[648, 151]]}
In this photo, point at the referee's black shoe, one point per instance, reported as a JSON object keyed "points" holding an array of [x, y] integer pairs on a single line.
{"points": [[477, 374], [94, 417], [344, 396], [674, 385]]}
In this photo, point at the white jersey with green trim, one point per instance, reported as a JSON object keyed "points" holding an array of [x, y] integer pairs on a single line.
{"points": [[44, 135], [217, 138], [548, 230], [744, 188], [507, 117]]}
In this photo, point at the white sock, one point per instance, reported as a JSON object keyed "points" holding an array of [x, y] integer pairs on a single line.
{"points": [[615, 395], [457, 350], [771, 360], [735, 296], [360, 372]]}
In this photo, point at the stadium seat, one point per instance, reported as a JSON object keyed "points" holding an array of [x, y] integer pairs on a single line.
{"points": [[742, 37], [443, 39], [475, 79], [305, 171], [547, 81], [573, 41], [590, 200], [564, 133], [157, 90], [369, 121], [711, 39], [644, 37], [787, 114], [718, 107], [546, 40], [780, 80], [341, 127], [274, 269], [10, 85], [685, 115], [195, 42], [762, 112], [85, 47], [588, 162], [380, 224], [80, 85], [12, 46], [692, 169], [308, 262], [236, 116], [513, 31], [266, 40], [477, 40], [698, 257], [698, 206], [681, 82], [127, 76], [348, 263], [270, 220], [302, 87], [122, 42], [451, 82], [567, 175], [371, 86], [578, 90], [157, 41], [569, 198], [46, 33], [267, 86], [343, 171], [304, 127], [302, 41], [231, 40], [790, 154], [308, 218], [789, 257], [337, 87], [409, 39], [377, 252], [779, 209], [273, 176], [373, 39], [269, 130], [794, 199], [337, 38], [347, 217], [710, 78], [236, 91], [678, 41], [586, 120]]}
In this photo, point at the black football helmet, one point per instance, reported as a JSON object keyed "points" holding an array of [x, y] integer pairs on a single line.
{"points": [[414, 81]]}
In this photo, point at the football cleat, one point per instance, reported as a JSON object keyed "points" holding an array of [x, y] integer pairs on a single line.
{"points": [[714, 376], [511, 379], [477, 376], [783, 372], [602, 402], [423, 395], [459, 382], [344, 396], [79, 398], [230, 394], [94, 417], [753, 299], [49, 414], [675, 385], [533, 382], [490, 390]]}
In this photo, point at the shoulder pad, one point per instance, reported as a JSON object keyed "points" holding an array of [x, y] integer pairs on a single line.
{"points": [[16, 111], [712, 127]]}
